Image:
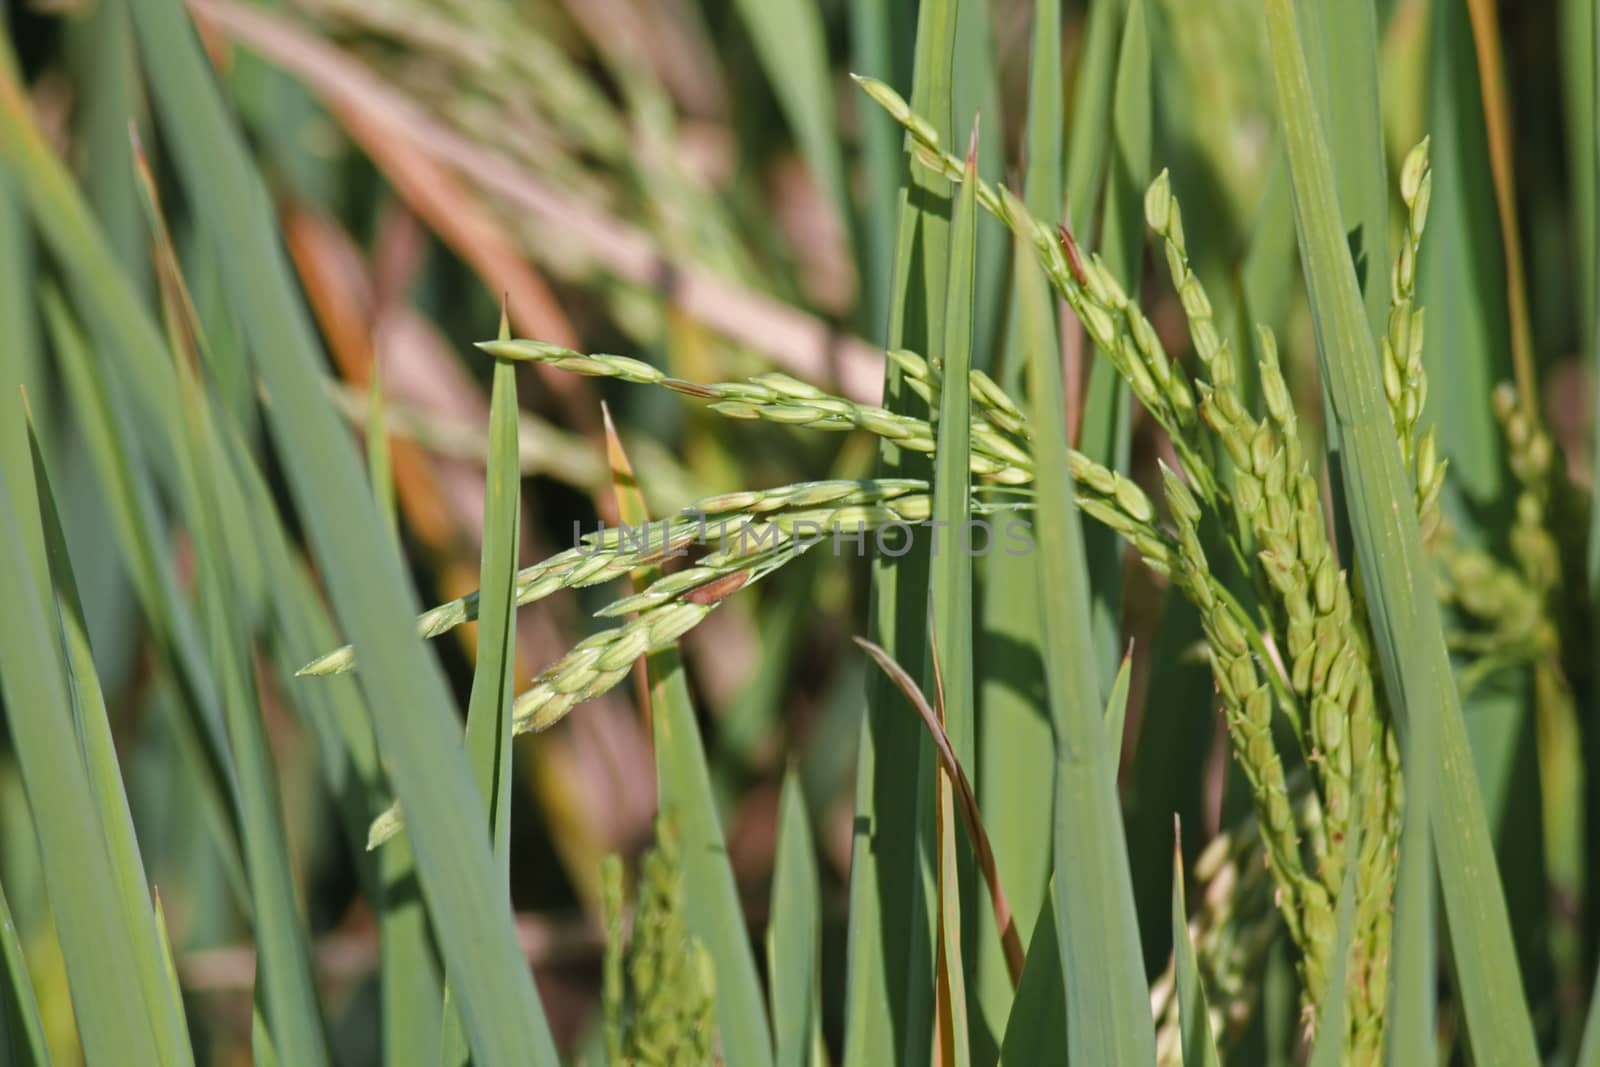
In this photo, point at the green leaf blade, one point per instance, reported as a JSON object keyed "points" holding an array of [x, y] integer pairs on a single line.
{"points": [[793, 948], [1398, 584], [1107, 1002]]}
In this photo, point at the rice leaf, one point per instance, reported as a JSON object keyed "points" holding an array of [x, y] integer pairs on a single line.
{"points": [[1117, 706], [951, 599], [99, 948], [965, 802], [793, 933], [488, 731], [1468, 337], [21, 1033], [103, 419], [1194, 1017], [952, 1030], [1090, 130], [105, 773], [889, 965], [170, 965], [1108, 1012], [1036, 1028], [286, 989], [1398, 583], [335, 716], [380, 470], [1341, 42], [100, 51], [975, 81], [366, 582], [1497, 125], [1410, 1027], [1589, 1050], [1014, 764], [877, 28], [1166, 777], [1106, 434], [1581, 97]]}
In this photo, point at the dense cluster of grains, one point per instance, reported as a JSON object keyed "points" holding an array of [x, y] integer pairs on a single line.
{"points": [[658, 989]]}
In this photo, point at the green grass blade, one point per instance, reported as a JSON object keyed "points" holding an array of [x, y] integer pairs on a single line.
{"points": [[380, 469], [366, 582], [1107, 1002], [951, 586], [1398, 583], [285, 988], [889, 965], [21, 1033], [951, 600], [489, 707], [1090, 132], [1036, 1029], [1117, 707], [334, 714], [100, 47], [876, 29], [1468, 336], [976, 91], [1107, 406], [103, 972], [1589, 1049], [1166, 777], [1410, 1028], [1042, 158], [1341, 42], [105, 773], [794, 932], [105, 423], [1579, 29], [1194, 1018], [1014, 764]]}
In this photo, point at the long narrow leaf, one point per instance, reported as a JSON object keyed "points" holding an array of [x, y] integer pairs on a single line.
{"points": [[286, 990], [1398, 583], [1036, 1030], [1194, 1018], [1107, 428], [1108, 1013], [889, 987], [1014, 763], [103, 971], [951, 597], [366, 582], [105, 773], [21, 1033], [489, 707], [793, 932]]}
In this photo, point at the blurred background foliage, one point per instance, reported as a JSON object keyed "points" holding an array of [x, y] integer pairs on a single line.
{"points": [[697, 183]]}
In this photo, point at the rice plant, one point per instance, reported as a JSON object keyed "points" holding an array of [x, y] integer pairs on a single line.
{"points": [[811, 597]]}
